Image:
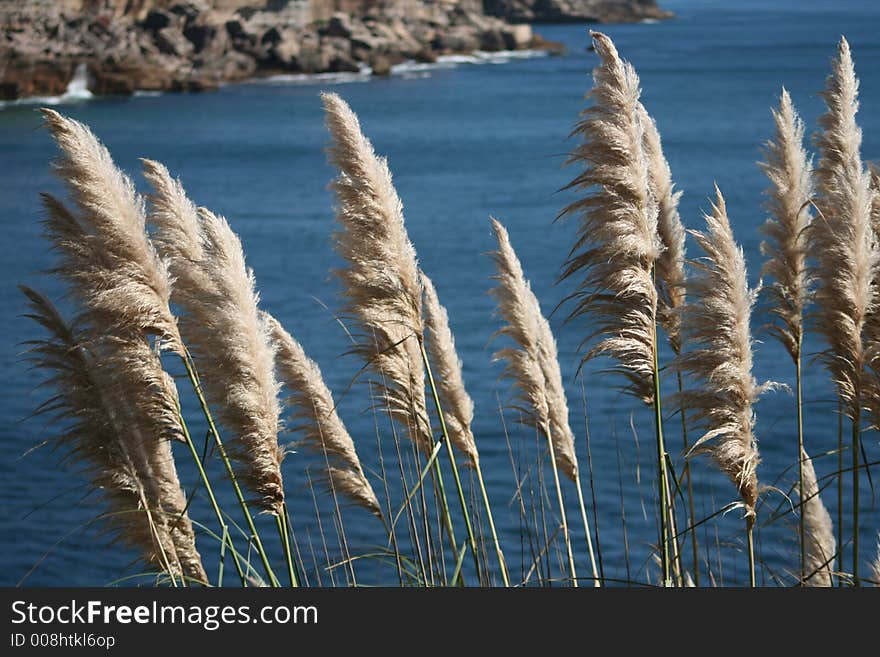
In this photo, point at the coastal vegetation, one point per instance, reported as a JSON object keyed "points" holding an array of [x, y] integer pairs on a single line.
{"points": [[157, 285]]}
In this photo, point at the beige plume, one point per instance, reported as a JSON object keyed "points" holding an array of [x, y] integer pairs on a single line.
{"points": [[842, 239], [124, 456], [532, 365], [129, 287], [715, 325], [789, 170], [321, 427], [617, 243], [380, 283], [458, 407], [230, 344], [669, 265], [820, 543]]}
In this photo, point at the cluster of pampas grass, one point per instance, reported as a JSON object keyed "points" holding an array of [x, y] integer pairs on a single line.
{"points": [[221, 323], [381, 282], [119, 413], [123, 289], [847, 259], [532, 366]]}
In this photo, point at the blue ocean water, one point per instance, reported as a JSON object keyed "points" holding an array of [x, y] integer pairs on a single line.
{"points": [[463, 142]]}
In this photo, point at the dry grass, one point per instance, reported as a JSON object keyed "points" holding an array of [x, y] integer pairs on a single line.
{"points": [[718, 358], [458, 407], [380, 283], [317, 421], [618, 243]]}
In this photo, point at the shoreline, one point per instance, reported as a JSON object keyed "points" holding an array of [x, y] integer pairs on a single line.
{"points": [[193, 47], [406, 70]]}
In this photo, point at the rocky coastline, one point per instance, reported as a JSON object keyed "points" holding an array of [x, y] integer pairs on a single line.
{"points": [[151, 45]]}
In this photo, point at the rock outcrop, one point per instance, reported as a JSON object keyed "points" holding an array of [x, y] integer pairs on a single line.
{"points": [[575, 11], [169, 45]]}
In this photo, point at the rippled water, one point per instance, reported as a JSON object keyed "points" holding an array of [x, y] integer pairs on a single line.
{"points": [[464, 140]]}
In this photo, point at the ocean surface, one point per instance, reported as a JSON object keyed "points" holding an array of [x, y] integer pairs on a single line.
{"points": [[465, 139]]}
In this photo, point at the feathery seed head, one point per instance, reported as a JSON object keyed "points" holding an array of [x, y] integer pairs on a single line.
{"points": [[458, 408], [231, 346], [380, 283], [321, 427], [790, 170], [842, 239], [532, 365], [618, 242], [719, 359], [669, 264], [820, 545], [130, 285]]}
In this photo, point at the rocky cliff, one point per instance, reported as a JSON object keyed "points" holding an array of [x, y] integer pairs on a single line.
{"points": [[162, 45], [578, 11]]}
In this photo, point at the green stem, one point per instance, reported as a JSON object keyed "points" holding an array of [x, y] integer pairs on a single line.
{"points": [[661, 470], [855, 478], [686, 472], [194, 379], [210, 492], [285, 541], [447, 517], [839, 486], [675, 562], [577, 482], [565, 534], [461, 497], [750, 523], [504, 575], [800, 423]]}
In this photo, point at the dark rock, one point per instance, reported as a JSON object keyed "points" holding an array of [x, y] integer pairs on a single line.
{"points": [[492, 41], [271, 36], [171, 42], [199, 35], [279, 52], [574, 11], [155, 21], [457, 40], [343, 64], [425, 56], [22, 78], [555, 48], [187, 10], [236, 66], [196, 45], [313, 60], [236, 31], [339, 25]]}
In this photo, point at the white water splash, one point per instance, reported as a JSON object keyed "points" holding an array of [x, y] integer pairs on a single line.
{"points": [[78, 88], [77, 91]]}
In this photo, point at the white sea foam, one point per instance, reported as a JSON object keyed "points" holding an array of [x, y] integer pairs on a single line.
{"points": [[78, 91], [361, 75], [409, 69]]}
